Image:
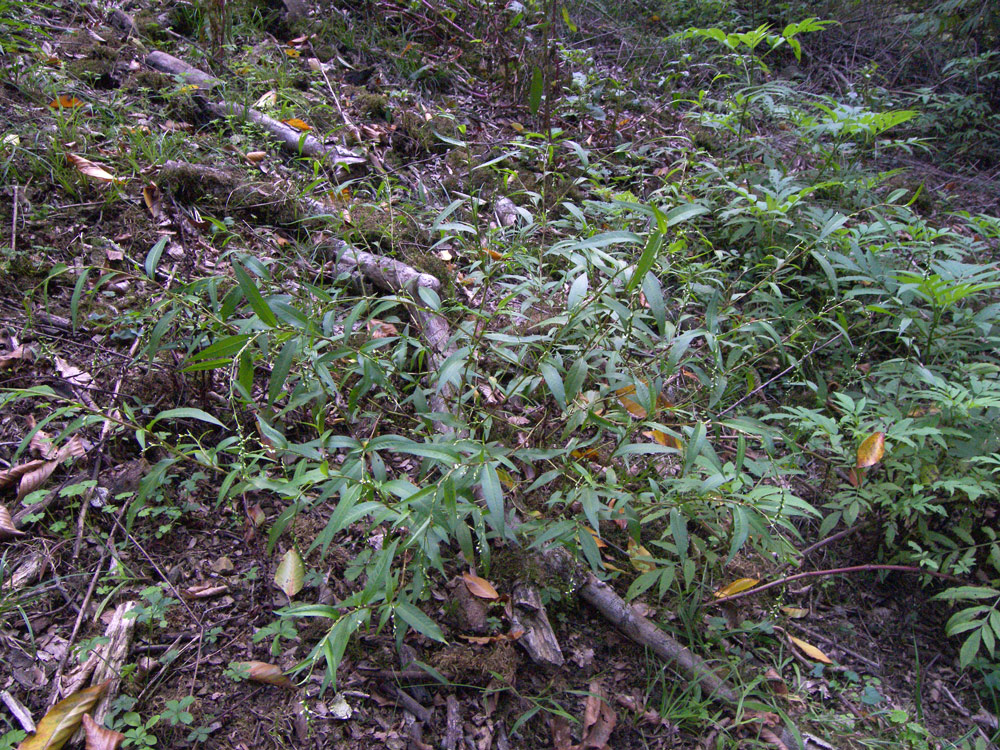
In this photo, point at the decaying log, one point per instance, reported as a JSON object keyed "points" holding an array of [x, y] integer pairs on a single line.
{"points": [[292, 140], [453, 733], [605, 600], [538, 639]]}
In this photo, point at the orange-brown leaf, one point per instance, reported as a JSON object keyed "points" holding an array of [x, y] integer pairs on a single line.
{"points": [[269, 674], [631, 406], [65, 101], [871, 450], [298, 124], [101, 738], [62, 720], [479, 587]]}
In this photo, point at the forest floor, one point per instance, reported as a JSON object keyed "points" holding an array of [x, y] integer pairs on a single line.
{"points": [[122, 192]]}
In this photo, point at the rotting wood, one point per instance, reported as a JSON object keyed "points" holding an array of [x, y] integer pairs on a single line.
{"points": [[292, 140], [528, 614]]}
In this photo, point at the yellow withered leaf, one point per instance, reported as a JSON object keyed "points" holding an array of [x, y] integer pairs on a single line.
{"points": [[290, 575], [664, 439], [632, 407], [810, 650], [871, 450], [298, 124], [740, 584], [639, 556], [63, 719], [796, 613]]}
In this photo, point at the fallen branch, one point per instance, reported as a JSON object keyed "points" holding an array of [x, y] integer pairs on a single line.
{"points": [[833, 572], [292, 140]]}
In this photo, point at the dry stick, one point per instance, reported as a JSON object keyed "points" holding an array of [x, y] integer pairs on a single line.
{"points": [[833, 572], [292, 140], [13, 225], [105, 429], [54, 695], [815, 348]]}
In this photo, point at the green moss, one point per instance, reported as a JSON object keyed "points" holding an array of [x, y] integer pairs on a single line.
{"points": [[372, 106]]}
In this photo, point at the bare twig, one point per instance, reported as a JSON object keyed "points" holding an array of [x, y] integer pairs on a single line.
{"points": [[834, 572]]}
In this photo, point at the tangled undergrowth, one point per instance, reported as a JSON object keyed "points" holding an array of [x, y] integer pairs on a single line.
{"points": [[718, 303]]}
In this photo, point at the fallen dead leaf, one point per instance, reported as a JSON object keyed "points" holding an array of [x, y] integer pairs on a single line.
{"points": [[18, 354], [90, 169], [7, 528], [479, 587], [99, 737], [62, 720], [298, 124], [269, 674]]}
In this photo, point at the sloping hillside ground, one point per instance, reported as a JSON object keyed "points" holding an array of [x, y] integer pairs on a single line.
{"points": [[705, 311]]}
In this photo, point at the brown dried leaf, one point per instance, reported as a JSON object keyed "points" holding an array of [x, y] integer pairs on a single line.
{"points": [[256, 515], [775, 681], [599, 720], [16, 355], [562, 739], [7, 528], [204, 590], [151, 196], [479, 587], [74, 448], [269, 674], [379, 330], [62, 720], [89, 169], [35, 479], [870, 451], [73, 375], [101, 738], [11, 475], [41, 444]]}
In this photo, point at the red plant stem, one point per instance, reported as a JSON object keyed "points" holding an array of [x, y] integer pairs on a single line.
{"points": [[833, 572]]}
